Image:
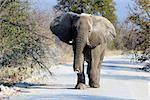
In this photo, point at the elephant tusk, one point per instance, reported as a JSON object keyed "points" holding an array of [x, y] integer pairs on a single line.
{"points": [[71, 41], [77, 71], [88, 42]]}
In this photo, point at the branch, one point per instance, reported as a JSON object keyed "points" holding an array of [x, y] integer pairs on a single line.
{"points": [[14, 24], [21, 25], [3, 3], [42, 65], [43, 36], [147, 13]]}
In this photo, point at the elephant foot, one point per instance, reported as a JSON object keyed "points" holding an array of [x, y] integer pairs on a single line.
{"points": [[94, 85], [80, 86]]}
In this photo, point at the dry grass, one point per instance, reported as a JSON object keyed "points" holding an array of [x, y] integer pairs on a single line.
{"points": [[14, 74], [66, 58], [113, 52], [69, 57]]}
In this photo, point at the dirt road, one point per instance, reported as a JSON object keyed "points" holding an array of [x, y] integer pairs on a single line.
{"points": [[120, 80]]}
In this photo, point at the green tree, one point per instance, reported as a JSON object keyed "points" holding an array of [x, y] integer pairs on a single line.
{"points": [[18, 43], [139, 17], [97, 7], [139, 36]]}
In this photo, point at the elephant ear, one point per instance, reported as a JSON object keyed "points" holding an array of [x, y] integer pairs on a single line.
{"points": [[61, 26], [103, 31]]}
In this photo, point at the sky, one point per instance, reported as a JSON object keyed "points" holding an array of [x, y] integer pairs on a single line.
{"points": [[121, 7]]}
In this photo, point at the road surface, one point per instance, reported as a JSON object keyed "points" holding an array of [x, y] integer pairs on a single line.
{"points": [[120, 80]]}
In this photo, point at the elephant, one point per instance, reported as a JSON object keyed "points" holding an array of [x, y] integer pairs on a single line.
{"points": [[89, 36]]}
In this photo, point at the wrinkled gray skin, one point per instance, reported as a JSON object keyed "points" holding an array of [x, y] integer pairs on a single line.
{"points": [[89, 36]]}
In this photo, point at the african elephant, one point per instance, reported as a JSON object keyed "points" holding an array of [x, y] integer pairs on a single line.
{"points": [[88, 36]]}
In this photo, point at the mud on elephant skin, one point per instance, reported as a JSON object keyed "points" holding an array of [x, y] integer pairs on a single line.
{"points": [[88, 36]]}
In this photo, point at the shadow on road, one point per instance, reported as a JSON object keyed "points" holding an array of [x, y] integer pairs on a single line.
{"points": [[125, 77], [128, 62], [76, 97], [119, 68]]}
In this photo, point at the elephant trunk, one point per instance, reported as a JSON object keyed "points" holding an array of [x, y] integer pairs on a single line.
{"points": [[78, 54]]}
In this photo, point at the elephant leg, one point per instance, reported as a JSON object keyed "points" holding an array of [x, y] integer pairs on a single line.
{"points": [[97, 55], [80, 80]]}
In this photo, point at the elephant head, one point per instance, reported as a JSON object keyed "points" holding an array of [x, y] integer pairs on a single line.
{"points": [[84, 30]]}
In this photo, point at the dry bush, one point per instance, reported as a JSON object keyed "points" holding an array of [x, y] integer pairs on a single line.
{"points": [[13, 75], [55, 51]]}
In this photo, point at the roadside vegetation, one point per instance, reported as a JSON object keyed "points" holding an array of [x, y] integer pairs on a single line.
{"points": [[27, 45], [137, 36]]}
